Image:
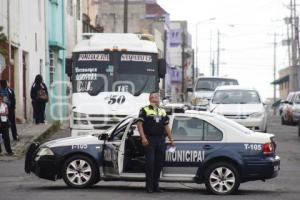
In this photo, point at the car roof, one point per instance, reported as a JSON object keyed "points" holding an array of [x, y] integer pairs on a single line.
{"points": [[234, 87], [215, 77], [195, 112]]}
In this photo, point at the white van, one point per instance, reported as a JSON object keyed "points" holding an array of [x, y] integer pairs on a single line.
{"points": [[204, 88], [241, 104]]}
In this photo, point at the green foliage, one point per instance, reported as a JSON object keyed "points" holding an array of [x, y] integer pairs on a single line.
{"points": [[3, 40]]}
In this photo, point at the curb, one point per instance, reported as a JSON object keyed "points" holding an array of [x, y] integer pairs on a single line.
{"points": [[39, 138]]}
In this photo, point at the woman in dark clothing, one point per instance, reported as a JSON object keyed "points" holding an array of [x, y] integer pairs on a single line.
{"points": [[39, 96]]}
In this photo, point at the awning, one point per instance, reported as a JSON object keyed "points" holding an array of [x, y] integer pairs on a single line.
{"points": [[281, 80], [56, 45]]}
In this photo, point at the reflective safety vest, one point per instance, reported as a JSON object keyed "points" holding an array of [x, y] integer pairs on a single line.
{"points": [[155, 112]]}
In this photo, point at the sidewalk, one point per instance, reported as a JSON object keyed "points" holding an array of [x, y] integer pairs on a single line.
{"points": [[27, 132]]}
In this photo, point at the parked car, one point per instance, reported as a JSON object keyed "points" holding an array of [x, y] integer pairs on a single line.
{"points": [[204, 89], [291, 109], [241, 104], [210, 149]]}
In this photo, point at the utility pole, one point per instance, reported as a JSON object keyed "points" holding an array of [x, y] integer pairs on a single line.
{"points": [[213, 67], [210, 51], [218, 54], [294, 45], [182, 64], [274, 73], [125, 28], [165, 57]]}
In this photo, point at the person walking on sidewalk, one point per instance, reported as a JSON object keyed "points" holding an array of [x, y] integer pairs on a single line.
{"points": [[10, 100], [4, 126], [39, 96]]}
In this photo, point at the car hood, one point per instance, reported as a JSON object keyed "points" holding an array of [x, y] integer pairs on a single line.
{"points": [[203, 94], [236, 109], [296, 106], [81, 140]]}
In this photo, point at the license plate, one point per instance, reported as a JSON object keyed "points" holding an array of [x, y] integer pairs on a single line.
{"points": [[276, 168]]}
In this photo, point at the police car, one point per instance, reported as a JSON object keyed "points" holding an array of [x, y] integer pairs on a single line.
{"points": [[210, 149]]}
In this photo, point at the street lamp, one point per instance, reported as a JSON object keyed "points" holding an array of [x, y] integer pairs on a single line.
{"points": [[197, 49]]}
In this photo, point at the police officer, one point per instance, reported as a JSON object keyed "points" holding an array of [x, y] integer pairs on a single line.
{"points": [[153, 127]]}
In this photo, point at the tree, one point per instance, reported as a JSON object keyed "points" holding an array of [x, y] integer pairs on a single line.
{"points": [[3, 40]]}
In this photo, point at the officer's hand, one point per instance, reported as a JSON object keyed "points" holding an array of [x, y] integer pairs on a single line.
{"points": [[145, 142], [172, 143]]}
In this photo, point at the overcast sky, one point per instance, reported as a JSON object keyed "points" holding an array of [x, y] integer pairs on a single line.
{"points": [[246, 40]]}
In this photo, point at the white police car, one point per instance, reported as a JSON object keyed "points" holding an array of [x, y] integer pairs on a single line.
{"points": [[210, 149]]}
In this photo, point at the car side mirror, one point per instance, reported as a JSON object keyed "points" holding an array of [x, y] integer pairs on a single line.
{"points": [[103, 136], [189, 89]]}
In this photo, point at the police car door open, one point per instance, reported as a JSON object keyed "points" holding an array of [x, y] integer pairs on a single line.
{"points": [[114, 151]]}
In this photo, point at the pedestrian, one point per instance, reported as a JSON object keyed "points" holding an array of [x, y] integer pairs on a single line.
{"points": [[10, 100], [4, 126], [153, 127], [39, 96]]}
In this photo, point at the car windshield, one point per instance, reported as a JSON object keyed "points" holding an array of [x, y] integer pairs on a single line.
{"points": [[297, 99], [118, 130], [236, 97], [210, 84]]}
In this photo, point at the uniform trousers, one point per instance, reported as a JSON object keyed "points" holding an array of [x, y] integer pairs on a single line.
{"points": [[155, 156]]}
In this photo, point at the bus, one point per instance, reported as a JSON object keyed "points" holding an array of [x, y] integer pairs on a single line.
{"points": [[112, 75], [204, 89]]}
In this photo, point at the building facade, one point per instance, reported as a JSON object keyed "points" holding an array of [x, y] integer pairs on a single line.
{"points": [[111, 16], [56, 79], [182, 60], [24, 26]]}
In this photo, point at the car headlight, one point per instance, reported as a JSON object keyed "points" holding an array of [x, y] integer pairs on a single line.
{"points": [[79, 115], [44, 151], [256, 115]]}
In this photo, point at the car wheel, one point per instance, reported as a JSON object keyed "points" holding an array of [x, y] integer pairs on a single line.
{"points": [[283, 121], [79, 172], [222, 178]]}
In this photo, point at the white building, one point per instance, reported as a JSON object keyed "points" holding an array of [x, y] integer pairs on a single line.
{"points": [[73, 24], [111, 15], [24, 25]]}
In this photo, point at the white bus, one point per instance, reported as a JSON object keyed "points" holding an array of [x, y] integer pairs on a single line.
{"points": [[112, 75]]}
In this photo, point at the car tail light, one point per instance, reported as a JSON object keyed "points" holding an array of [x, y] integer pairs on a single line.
{"points": [[268, 148]]}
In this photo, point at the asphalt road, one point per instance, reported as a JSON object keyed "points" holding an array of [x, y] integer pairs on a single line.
{"points": [[16, 185]]}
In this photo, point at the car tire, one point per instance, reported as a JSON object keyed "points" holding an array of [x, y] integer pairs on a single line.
{"points": [[222, 178], [79, 171], [283, 122]]}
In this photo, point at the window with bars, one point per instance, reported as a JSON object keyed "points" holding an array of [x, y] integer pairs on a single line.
{"points": [[52, 65]]}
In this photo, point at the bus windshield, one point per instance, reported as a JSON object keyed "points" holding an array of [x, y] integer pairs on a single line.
{"points": [[132, 72], [210, 84]]}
